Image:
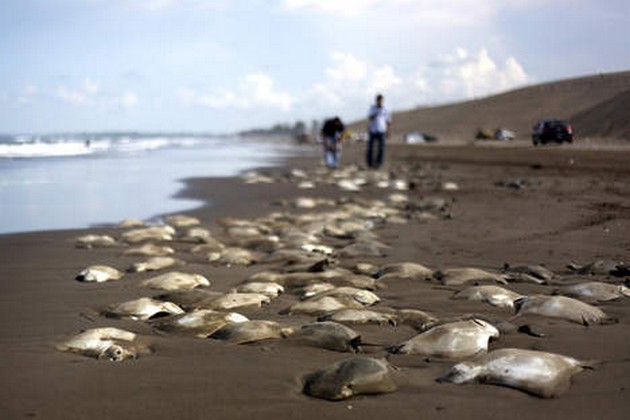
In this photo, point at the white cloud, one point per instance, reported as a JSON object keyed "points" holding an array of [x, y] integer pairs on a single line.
{"points": [[261, 91], [321, 93], [29, 92], [128, 100], [384, 79], [89, 93], [255, 90], [465, 75], [514, 74], [347, 69], [85, 94], [349, 85], [352, 76]]}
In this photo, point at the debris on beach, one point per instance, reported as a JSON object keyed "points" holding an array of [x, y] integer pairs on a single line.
{"points": [[99, 274]]}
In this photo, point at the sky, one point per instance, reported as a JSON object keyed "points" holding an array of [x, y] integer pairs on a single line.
{"points": [[221, 66]]}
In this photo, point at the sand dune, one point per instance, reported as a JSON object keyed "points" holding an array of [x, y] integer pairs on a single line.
{"points": [[597, 106], [610, 118]]}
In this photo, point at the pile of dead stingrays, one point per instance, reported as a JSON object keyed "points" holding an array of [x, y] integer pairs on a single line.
{"points": [[318, 250]]}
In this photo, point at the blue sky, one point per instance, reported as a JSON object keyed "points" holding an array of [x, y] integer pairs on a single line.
{"points": [[226, 65]]}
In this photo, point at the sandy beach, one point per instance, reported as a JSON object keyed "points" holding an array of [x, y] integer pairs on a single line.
{"points": [[513, 204]]}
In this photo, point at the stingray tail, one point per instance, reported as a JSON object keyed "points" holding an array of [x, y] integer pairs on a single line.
{"points": [[591, 364], [450, 289], [594, 364], [573, 266], [355, 344], [397, 349]]}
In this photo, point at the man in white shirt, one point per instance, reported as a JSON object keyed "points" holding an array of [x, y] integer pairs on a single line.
{"points": [[380, 121]]}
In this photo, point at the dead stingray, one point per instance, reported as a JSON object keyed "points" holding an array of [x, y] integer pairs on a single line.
{"points": [[560, 307], [106, 343], [455, 340], [344, 379], [539, 373], [328, 335], [594, 291]]}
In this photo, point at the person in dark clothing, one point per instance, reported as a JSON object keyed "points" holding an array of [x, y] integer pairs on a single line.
{"points": [[332, 135]]}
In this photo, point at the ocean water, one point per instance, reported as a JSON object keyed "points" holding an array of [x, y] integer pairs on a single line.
{"points": [[77, 181]]}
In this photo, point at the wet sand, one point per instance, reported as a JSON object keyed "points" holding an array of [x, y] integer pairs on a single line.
{"points": [[575, 206]]}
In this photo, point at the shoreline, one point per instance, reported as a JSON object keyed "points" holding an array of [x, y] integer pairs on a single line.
{"points": [[140, 194], [92, 191], [562, 212]]}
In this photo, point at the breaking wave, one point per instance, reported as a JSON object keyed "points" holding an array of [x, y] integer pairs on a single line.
{"points": [[16, 147]]}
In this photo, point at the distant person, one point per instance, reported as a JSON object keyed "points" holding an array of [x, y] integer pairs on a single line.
{"points": [[332, 136], [379, 128]]}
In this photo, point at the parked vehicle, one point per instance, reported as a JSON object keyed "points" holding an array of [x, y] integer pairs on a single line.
{"points": [[504, 134], [558, 131], [497, 134], [359, 136], [419, 138], [484, 134]]}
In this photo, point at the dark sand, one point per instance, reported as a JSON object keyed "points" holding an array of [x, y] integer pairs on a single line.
{"points": [[576, 207]]}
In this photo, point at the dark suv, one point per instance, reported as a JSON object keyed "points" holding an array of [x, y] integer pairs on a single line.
{"points": [[558, 131]]}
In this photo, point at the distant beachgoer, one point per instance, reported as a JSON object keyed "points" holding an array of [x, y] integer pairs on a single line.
{"points": [[332, 135], [380, 121]]}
